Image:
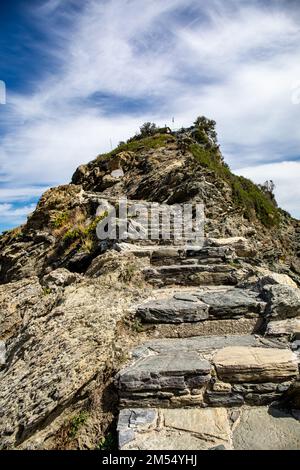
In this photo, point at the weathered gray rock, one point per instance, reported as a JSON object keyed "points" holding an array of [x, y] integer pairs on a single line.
{"points": [[233, 302], [223, 399], [283, 301], [59, 278], [272, 278], [266, 429], [241, 245], [292, 397], [207, 345], [192, 275], [173, 310], [163, 372], [2, 353], [244, 364], [132, 421]]}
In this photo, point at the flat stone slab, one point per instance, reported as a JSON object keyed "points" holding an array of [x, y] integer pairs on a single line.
{"points": [[192, 274], [177, 429], [234, 302], [262, 428], [244, 364], [186, 309], [165, 372], [287, 327], [207, 345]]}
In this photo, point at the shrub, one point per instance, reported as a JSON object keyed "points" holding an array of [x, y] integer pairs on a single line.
{"points": [[76, 422], [246, 195], [60, 219]]}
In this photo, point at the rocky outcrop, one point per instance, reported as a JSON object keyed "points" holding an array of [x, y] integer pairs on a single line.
{"points": [[210, 326]]}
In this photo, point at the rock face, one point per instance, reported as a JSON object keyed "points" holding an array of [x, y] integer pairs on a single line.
{"points": [[56, 349]]}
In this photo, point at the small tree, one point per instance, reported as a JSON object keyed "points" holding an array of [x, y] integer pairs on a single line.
{"points": [[148, 129], [206, 129], [268, 187]]}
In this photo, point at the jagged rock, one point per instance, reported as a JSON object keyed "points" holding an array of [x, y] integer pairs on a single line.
{"points": [[233, 302], [241, 245], [287, 327], [269, 278], [244, 364], [292, 397], [133, 421], [283, 301], [173, 310], [19, 301], [59, 278]]}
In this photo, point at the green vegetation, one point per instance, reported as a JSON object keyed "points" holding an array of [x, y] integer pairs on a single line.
{"points": [[205, 131], [108, 443], [127, 273], [136, 144], [46, 291], [76, 423], [137, 326], [246, 195], [84, 234], [60, 219]]}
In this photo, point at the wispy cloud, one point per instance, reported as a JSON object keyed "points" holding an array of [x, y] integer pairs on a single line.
{"points": [[233, 61]]}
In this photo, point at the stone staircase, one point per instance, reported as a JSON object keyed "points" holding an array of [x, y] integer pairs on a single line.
{"points": [[217, 368]]}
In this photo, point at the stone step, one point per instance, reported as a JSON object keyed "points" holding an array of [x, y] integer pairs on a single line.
{"points": [[199, 305], [192, 275], [208, 429], [207, 371]]}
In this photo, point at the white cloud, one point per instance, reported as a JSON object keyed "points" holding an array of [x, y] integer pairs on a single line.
{"points": [[9, 213], [232, 62]]}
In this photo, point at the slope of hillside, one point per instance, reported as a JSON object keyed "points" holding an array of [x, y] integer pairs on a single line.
{"points": [[67, 323]]}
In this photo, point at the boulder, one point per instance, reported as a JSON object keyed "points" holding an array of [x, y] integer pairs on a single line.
{"points": [[59, 278], [283, 301], [272, 278]]}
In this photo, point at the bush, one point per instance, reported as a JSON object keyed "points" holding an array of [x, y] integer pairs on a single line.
{"points": [[148, 129], [246, 195], [76, 422]]}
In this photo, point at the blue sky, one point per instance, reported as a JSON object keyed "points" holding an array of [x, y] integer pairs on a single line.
{"points": [[79, 74]]}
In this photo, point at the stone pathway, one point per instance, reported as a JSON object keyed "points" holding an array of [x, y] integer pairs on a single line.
{"points": [[210, 391]]}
